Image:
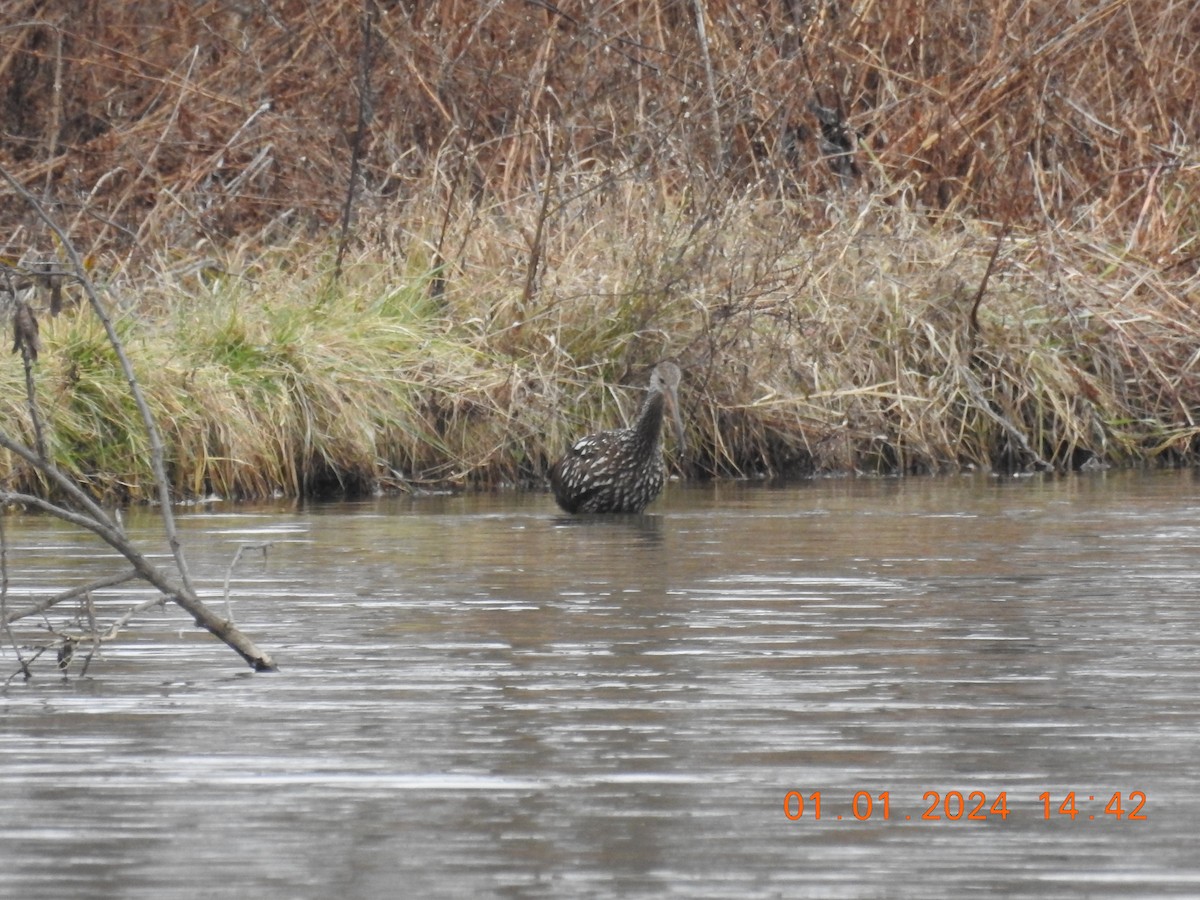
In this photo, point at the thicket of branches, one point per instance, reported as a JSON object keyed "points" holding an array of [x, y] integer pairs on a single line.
{"points": [[196, 124]]}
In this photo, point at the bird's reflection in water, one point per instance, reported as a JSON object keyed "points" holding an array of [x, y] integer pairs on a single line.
{"points": [[643, 529]]}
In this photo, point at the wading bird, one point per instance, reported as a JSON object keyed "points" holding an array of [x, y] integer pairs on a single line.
{"points": [[621, 471]]}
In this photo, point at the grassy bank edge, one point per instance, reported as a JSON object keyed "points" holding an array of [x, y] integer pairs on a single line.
{"points": [[865, 347]]}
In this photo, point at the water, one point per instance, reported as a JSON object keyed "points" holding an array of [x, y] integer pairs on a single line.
{"points": [[480, 697]]}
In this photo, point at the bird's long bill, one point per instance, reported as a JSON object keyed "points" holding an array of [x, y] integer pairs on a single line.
{"points": [[673, 402]]}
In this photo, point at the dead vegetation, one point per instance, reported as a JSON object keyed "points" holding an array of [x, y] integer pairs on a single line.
{"points": [[356, 244]]}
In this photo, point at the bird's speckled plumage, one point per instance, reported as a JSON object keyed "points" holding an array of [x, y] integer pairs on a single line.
{"points": [[621, 471]]}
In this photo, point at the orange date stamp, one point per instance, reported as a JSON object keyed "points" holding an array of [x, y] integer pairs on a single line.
{"points": [[967, 806]]}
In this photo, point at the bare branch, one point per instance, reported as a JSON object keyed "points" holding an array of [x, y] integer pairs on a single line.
{"points": [[42, 605], [263, 548], [115, 628], [135, 388], [366, 59], [182, 595], [47, 467], [92, 517]]}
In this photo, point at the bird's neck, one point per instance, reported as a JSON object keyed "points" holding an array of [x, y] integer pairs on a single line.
{"points": [[649, 421]]}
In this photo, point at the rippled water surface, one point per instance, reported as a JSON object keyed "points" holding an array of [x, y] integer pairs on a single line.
{"points": [[480, 697]]}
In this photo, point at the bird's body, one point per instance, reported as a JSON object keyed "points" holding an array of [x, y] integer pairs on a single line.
{"points": [[621, 471]]}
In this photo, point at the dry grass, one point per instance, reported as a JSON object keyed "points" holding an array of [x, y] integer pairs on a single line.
{"points": [[209, 124], [800, 208]]}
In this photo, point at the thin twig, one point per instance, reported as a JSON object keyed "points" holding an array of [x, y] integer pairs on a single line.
{"points": [[710, 78], [56, 106], [42, 605], [148, 162], [115, 628], [4, 598], [360, 130], [973, 324], [263, 548], [48, 468], [537, 242]]}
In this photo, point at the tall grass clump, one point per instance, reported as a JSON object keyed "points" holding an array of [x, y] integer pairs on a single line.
{"points": [[295, 386], [265, 384]]}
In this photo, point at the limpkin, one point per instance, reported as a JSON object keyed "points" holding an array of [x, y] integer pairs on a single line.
{"points": [[621, 471]]}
